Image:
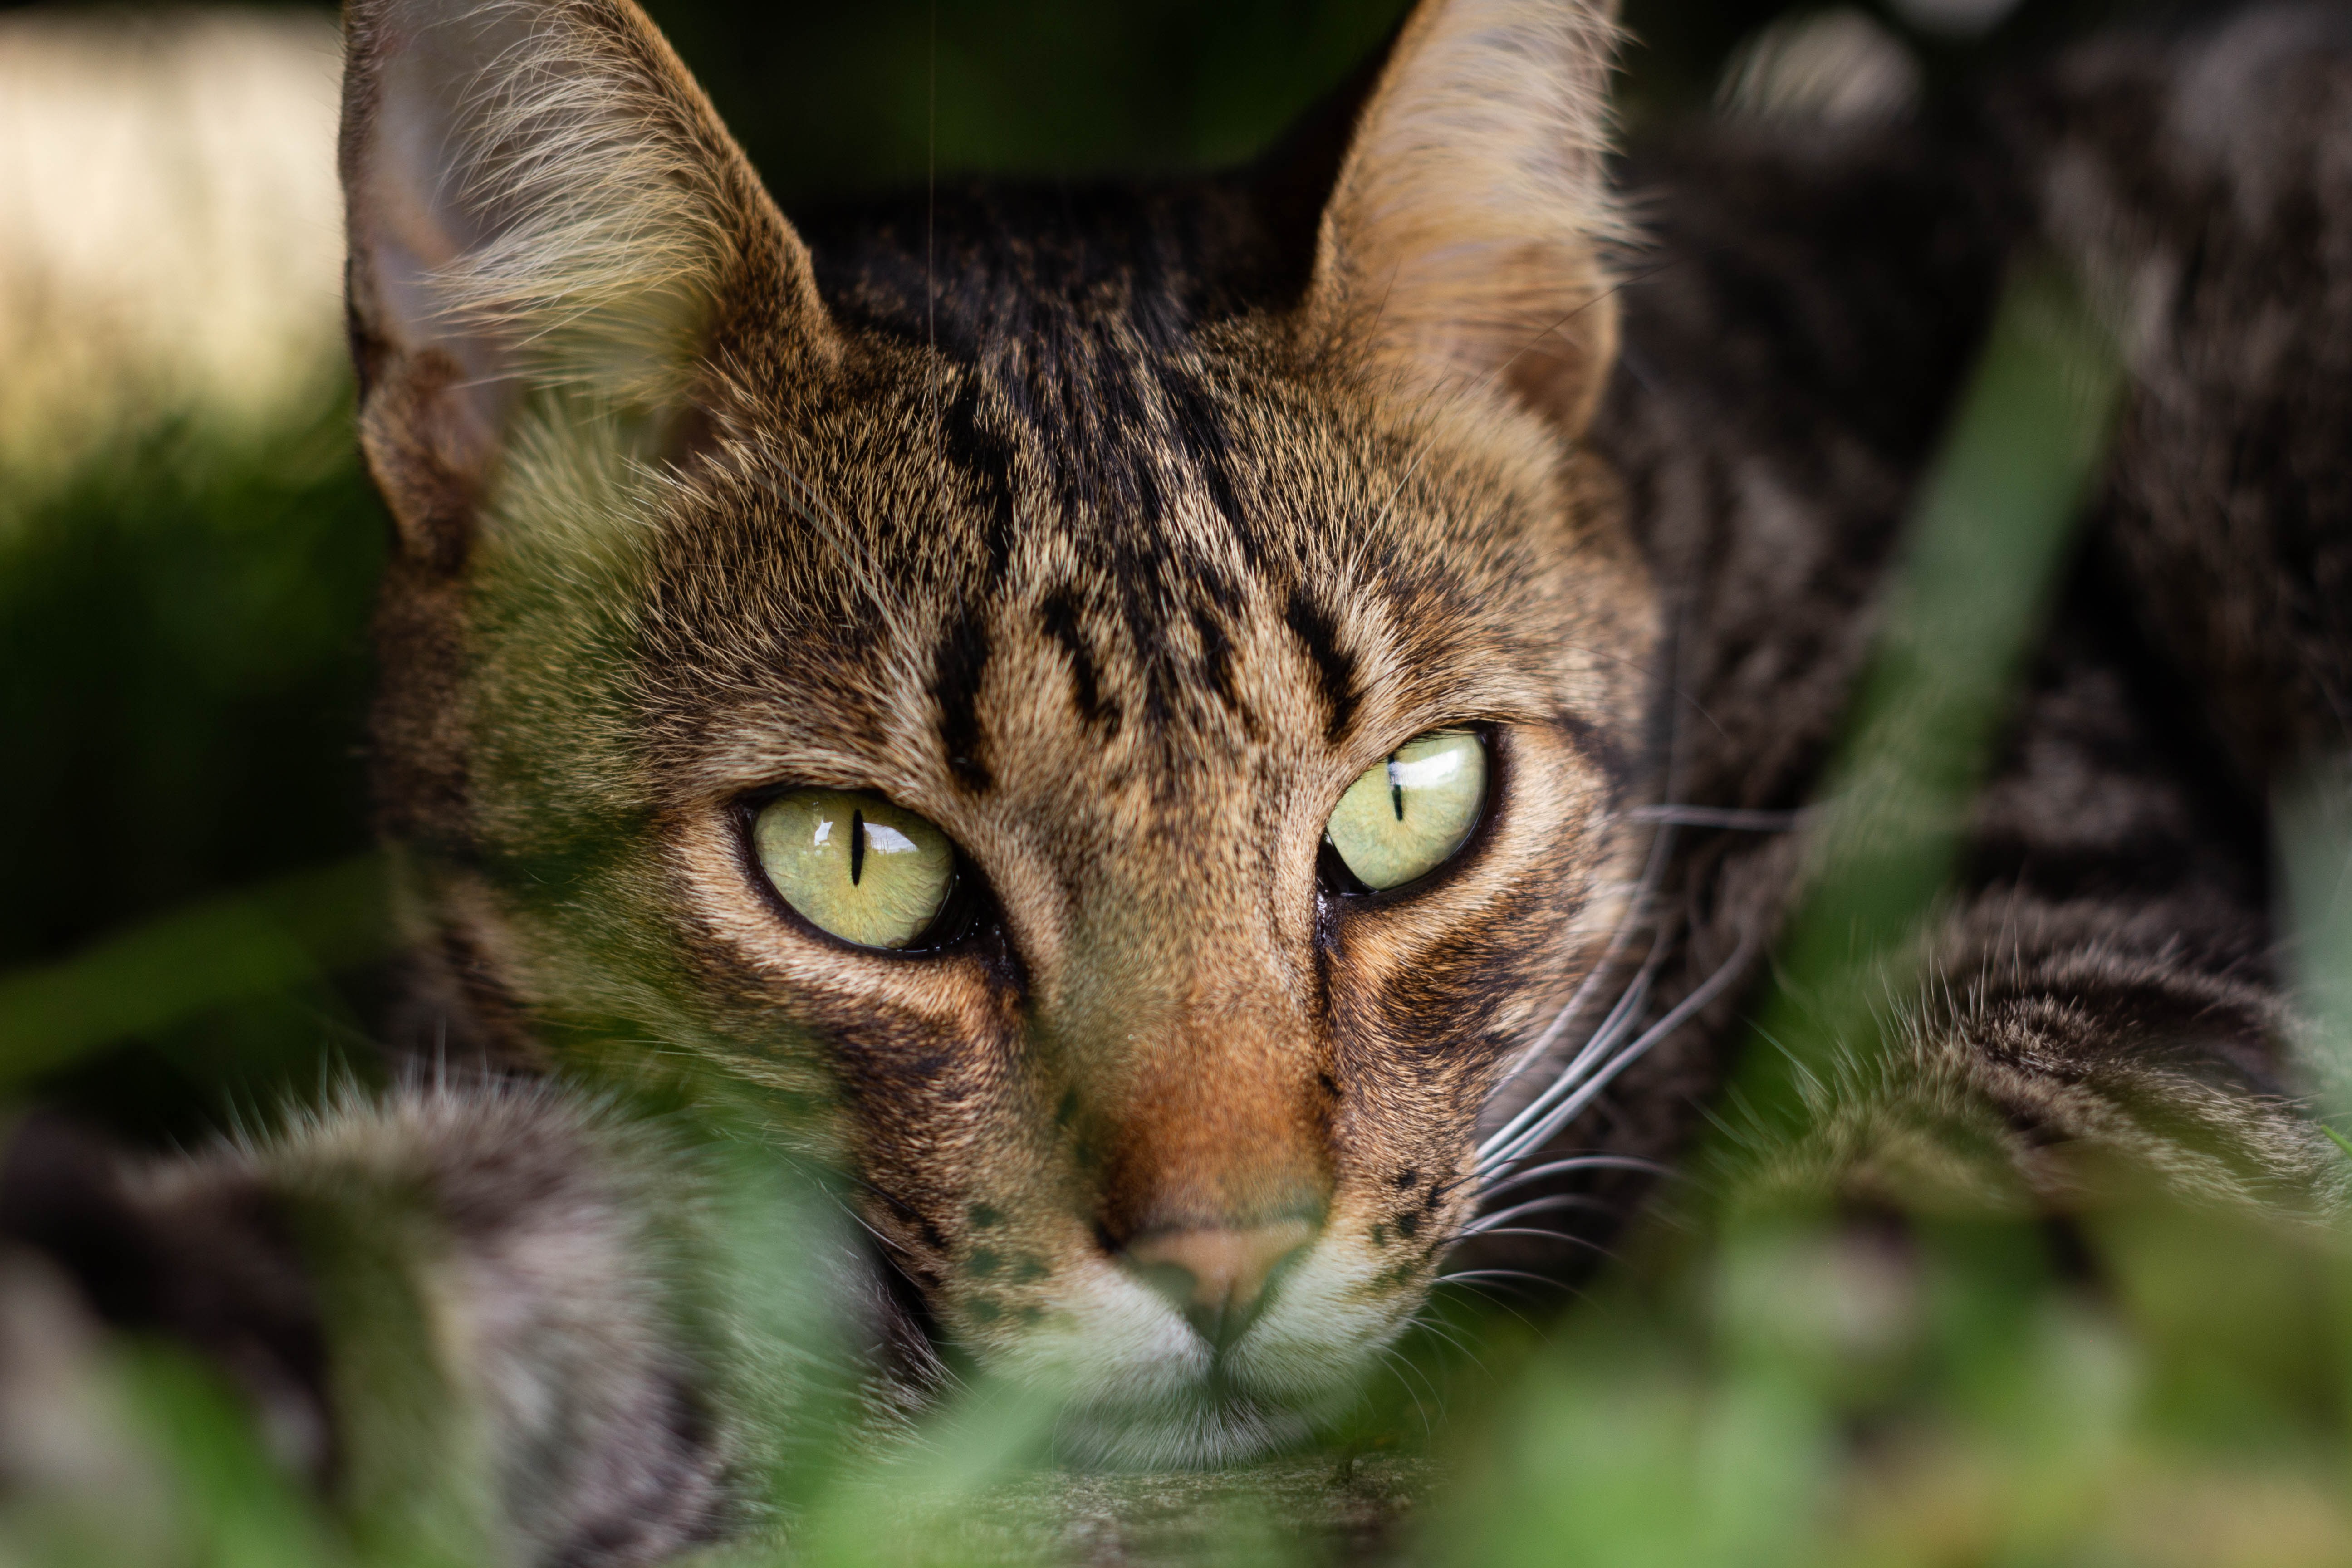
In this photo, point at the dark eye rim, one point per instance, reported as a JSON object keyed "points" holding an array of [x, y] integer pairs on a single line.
{"points": [[955, 928], [1341, 883]]}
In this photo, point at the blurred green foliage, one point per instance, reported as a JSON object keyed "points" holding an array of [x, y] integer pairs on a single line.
{"points": [[834, 98], [185, 625], [187, 622]]}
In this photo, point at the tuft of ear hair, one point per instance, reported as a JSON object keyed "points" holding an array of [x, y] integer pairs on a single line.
{"points": [[1462, 249], [539, 196]]}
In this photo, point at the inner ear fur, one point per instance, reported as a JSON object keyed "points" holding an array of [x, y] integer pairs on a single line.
{"points": [[1463, 250], [539, 196]]}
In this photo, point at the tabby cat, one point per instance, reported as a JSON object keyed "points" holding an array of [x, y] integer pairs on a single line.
{"points": [[1198, 737]]}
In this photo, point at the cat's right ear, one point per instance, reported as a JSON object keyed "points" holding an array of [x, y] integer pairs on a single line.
{"points": [[1462, 250], [539, 196]]}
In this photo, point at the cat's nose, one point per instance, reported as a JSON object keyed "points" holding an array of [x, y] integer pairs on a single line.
{"points": [[1217, 1276]]}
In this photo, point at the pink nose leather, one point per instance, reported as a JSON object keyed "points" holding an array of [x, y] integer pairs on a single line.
{"points": [[1216, 1275]]}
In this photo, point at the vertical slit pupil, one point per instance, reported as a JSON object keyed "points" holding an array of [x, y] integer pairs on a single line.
{"points": [[1396, 787], [857, 846]]}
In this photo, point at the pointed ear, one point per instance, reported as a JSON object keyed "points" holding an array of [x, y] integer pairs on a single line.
{"points": [[1462, 247], [540, 196]]}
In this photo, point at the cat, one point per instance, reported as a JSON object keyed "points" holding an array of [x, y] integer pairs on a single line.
{"points": [[1124, 717]]}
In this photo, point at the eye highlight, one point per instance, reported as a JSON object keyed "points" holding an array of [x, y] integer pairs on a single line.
{"points": [[854, 865], [1408, 814]]}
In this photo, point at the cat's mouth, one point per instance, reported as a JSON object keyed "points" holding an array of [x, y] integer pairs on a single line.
{"points": [[1137, 1386]]}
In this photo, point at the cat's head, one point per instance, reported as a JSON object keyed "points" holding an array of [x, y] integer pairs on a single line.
{"points": [[1119, 732]]}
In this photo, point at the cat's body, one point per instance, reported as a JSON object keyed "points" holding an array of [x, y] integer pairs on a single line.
{"points": [[2109, 974], [1116, 532]]}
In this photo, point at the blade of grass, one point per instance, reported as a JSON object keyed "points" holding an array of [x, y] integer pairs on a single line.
{"points": [[1989, 532], [207, 954]]}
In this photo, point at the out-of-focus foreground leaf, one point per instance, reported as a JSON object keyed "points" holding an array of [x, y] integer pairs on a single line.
{"points": [[1990, 526]]}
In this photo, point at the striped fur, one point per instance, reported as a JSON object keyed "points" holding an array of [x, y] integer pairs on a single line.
{"points": [[1228, 551]]}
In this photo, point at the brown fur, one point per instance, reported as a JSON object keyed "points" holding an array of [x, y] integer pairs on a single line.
{"points": [[945, 572]]}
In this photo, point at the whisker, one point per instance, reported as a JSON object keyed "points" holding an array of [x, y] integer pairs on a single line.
{"points": [[1493, 1294], [1569, 1109], [1619, 1040], [1492, 1297], [870, 1228], [1579, 1163], [890, 1200], [1454, 1340], [1398, 1365], [1620, 1018], [1530, 1233], [1467, 1274], [1637, 914], [1484, 1225]]}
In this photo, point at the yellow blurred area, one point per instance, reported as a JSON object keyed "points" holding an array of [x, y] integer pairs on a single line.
{"points": [[170, 227]]}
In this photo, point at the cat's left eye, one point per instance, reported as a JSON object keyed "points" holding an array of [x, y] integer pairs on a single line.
{"points": [[854, 865], [1410, 812]]}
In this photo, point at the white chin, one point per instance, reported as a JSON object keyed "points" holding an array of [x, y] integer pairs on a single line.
{"points": [[1143, 1392]]}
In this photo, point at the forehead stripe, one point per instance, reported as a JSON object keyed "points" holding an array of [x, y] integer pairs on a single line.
{"points": [[983, 455], [957, 669], [1335, 667], [1059, 616]]}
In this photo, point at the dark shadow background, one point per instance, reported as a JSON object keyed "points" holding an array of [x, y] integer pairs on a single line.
{"points": [[183, 633]]}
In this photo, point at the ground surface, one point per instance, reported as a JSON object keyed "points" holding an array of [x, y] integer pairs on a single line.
{"points": [[1317, 1509]]}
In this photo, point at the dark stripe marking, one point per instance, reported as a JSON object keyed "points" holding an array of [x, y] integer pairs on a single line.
{"points": [[1217, 660], [1059, 616], [987, 458], [1335, 667], [1599, 747], [1200, 425], [958, 669]]}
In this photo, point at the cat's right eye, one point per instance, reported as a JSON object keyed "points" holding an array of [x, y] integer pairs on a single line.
{"points": [[854, 865], [1410, 812]]}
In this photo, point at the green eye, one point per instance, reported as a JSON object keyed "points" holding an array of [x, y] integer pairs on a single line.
{"points": [[1407, 815], [855, 865]]}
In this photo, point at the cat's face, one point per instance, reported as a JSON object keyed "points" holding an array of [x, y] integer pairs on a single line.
{"points": [[946, 735]]}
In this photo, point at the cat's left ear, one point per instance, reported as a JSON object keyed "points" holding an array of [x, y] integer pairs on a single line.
{"points": [[540, 196], [1462, 249]]}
